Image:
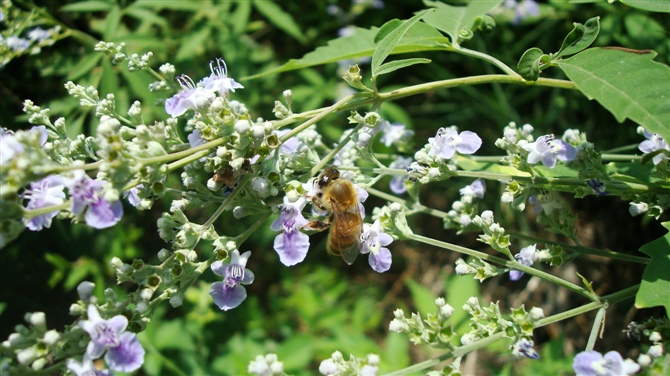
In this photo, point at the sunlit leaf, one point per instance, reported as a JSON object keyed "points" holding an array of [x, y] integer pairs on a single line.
{"points": [[399, 64], [655, 286], [89, 6], [654, 6], [452, 19], [580, 37], [280, 19], [628, 83]]}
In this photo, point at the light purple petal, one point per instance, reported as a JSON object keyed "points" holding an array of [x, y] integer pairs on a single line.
{"points": [[384, 239], [118, 323], [583, 363], [94, 350], [470, 142], [292, 247], [381, 261], [397, 184], [248, 277], [126, 357], [102, 214], [225, 298], [515, 275], [446, 152], [174, 105], [548, 160], [219, 268], [567, 152]]}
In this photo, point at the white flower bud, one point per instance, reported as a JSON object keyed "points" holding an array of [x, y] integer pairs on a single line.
{"points": [[51, 337], [328, 368], [655, 337], [142, 307], [637, 208], [163, 254], [656, 351], [15, 339], [231, 246], [214, 185], [76, 310], [458, 206], [85, 290], [145, 294], [242, 126], [536, 313], [257, 131], [463, 269], [176, 301], [468, 339], [260, 185], [507, 198], [115, 262], [395, 207], [337, 356], [440, 302], [276, 367], [434, 172], [373, 359], [38, 364], [26, 356], [398, 326], [487, 217], [446, 310], [39, 320], [399, 313], [644, 360]]}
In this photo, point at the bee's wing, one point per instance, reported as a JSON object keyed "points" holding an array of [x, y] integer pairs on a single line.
{"points": [[349, 224]]}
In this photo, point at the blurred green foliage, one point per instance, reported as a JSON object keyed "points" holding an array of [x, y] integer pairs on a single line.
{"points": [[306, 312]]}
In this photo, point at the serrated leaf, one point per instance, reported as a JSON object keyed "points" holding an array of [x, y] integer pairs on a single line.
{"points": [[529, 64], [628, 83], [580, 37], [655, 286], [399, 64], [390, 41], [279, 18], [653, 6], [89, 6], [360, 44], [451, 19]]}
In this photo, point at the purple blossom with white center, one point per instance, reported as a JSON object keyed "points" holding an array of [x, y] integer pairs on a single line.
{"points": [[9, 146], [85, 368], [219, 80], [373, 241], [44, 193], [448, 141], [38, 34], [394, 133], [593, 363], [230, 293], [653, 143], [548, 149], [397, 183], [291, 245], [124, 351], [526, 256], [190, 97], [524, 348], [87, 199], [475, 189]]}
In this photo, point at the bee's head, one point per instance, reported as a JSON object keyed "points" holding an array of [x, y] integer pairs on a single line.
{"points": [[329, 175]]}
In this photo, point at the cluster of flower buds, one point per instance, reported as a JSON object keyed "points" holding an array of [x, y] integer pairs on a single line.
{"points": [[494, 234], [434, 330], [657, 330], [268, 365], [337, 366], [462, 211]]}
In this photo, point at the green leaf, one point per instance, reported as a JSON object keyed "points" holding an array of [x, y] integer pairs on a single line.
{"points": [[580, 37], [193, 44], [296, 352], [84, 66], [399, 64], [451, 19], [529, 64], [279, 18], [653, 6], [424, 299], [628, 83], [192, 6], [240, 17], [360, 44], [390, 41], [89, 6], [112, 22], [655, 286]]}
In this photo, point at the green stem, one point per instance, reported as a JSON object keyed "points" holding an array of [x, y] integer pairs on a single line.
{"points": [[584, 250], [181, 154], [323, 112], [487, 58], [508, 264]]}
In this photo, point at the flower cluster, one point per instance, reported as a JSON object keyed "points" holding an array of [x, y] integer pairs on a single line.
{"points": [[593, 363], [268, 365], [654, 145], [434, 330], [337, 366], [463, 210]]}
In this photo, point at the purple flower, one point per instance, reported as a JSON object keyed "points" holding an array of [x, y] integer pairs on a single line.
{"points": [[373, 241], [448, 141], [44, 193], [527, 257], [393, 133], [87, 199], [653, 143], [17, 44], [547, 149], [38, 34], [291, 245], [9, 146], [195, 138], [593, 363], [124, 351], [190, 97], [522, 10], [218, 80], [85, 368], [397, 183], [524, 348], [229, 293], [132, 196], [289, 146], [475, 189]]}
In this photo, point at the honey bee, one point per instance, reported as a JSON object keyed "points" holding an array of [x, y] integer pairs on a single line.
{"points": [[339, 196]]}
